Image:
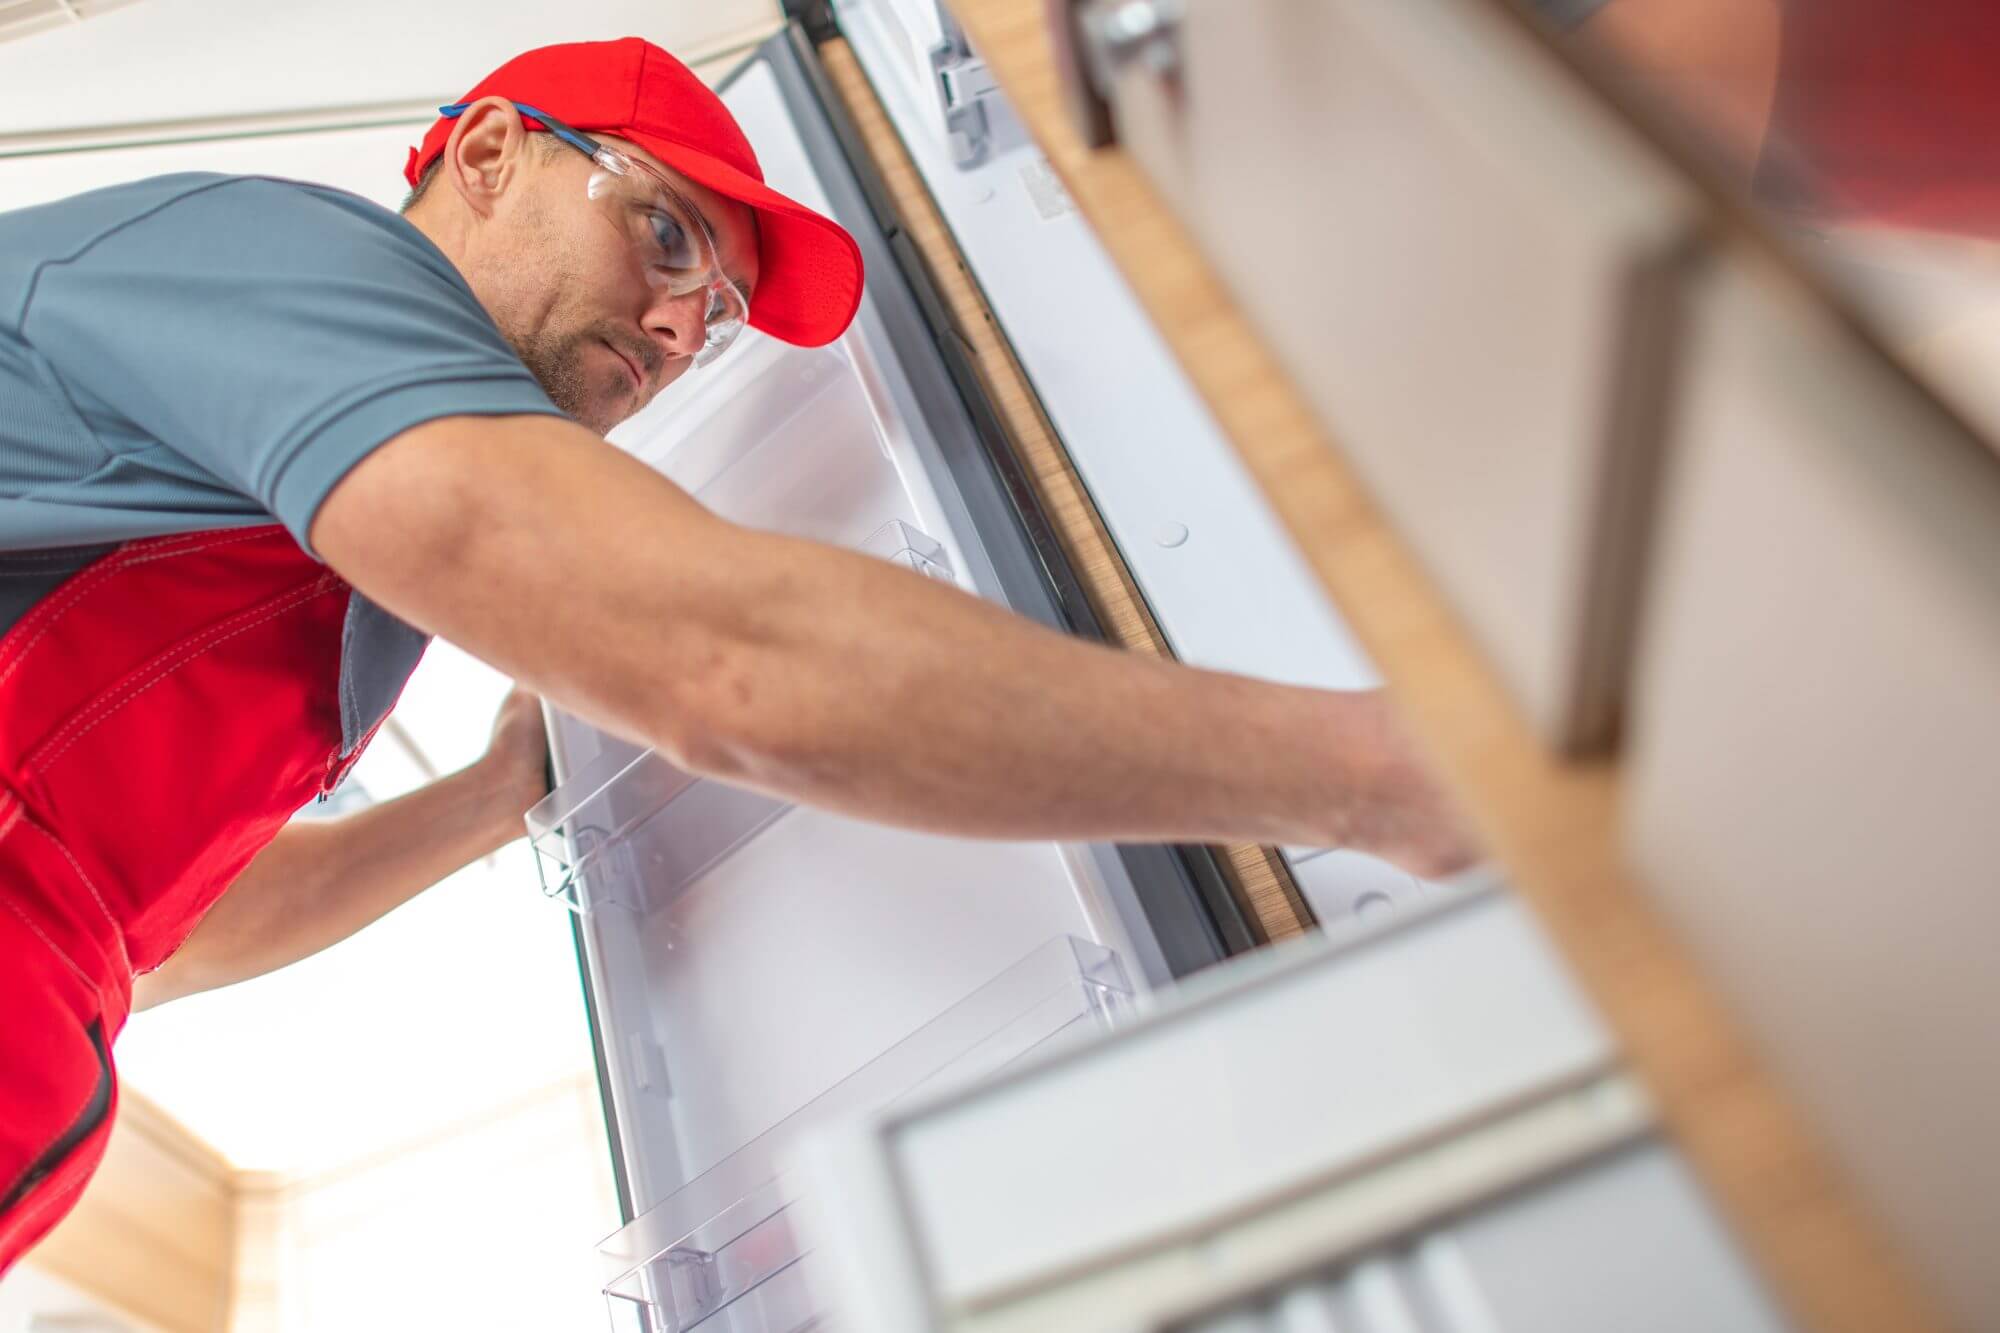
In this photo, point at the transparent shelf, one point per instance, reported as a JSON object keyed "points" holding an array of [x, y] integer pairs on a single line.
{"points": [[634, 832], [723, 1245], [901, 544]]}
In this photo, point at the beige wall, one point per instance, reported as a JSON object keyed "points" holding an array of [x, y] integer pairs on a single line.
{"points": [[155, 1231], [492, 1225]]}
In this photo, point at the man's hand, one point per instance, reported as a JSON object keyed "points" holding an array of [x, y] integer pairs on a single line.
{"points": [[517, 756], [1405, 815]]}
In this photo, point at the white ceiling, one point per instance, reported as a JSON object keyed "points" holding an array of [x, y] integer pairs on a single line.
{"points": [[184, 59], [467, 998]]}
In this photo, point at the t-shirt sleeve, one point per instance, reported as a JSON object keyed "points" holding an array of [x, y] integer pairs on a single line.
{"points": [[1568, 13], [271, 335]]}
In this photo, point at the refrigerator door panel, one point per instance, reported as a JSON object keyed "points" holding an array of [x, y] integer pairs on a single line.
{"points": [[743, 956]]}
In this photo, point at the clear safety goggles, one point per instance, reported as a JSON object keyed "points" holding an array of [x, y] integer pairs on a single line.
{"points": [[671, 240]]}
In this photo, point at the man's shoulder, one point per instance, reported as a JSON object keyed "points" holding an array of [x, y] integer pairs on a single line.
{"points": [[92, 212], [208, 201]]}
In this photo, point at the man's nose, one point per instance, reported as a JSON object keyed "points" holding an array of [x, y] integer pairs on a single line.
{"points": [[678, 323]]}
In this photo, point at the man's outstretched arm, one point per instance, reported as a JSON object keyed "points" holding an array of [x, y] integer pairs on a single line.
{"points": [[841, 681], [321, 880]]}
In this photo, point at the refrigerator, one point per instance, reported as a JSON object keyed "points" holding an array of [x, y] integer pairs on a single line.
{"points": [[750, 965], [758, 974]]}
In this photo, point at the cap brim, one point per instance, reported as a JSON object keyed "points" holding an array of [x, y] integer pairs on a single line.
{"points": [[809, 269]]}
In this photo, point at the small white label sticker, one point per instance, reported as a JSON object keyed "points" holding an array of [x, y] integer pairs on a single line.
{"points": [[1051, 199]]}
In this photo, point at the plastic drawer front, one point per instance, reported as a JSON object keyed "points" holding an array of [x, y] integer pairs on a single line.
{"points": [[1419, 1120]]}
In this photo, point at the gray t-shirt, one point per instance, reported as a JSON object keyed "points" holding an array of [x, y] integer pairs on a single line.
{"points": [[200, 351], [1568, 13]]}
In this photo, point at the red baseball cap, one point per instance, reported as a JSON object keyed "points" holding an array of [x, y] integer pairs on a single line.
{"points": [[809, 280]]}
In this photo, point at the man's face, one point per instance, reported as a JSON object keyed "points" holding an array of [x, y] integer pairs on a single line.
{"points": [[569, 287]]}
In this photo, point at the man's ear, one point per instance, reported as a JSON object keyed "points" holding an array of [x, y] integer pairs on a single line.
{"points": [[483, 156]]}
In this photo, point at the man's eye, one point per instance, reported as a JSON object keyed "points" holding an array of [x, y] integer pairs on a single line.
{"points": [[676, 248]]}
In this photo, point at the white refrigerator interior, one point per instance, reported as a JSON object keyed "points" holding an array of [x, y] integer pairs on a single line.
{"points": [[746, 958]]}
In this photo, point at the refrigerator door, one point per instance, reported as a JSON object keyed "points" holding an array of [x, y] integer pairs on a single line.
{"points": [[742, 956]]}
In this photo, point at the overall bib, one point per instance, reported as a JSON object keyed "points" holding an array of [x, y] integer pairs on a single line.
{"points": [[163, 711]]}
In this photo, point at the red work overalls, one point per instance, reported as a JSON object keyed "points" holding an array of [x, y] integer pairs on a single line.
{"points": [[1891, 112], [162, 713]]}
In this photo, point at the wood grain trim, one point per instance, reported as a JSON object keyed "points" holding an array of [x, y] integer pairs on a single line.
{"points": [[1257, 875], [1551, 823]]}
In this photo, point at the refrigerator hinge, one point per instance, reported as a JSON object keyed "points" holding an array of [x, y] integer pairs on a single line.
{"points": [[815, 16], [962, 83]]}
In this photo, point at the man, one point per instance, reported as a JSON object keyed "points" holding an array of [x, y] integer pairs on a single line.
{"points": [[212, 385]]}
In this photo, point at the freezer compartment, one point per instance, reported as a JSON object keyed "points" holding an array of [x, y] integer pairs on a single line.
{"points": [[727, 1234]]}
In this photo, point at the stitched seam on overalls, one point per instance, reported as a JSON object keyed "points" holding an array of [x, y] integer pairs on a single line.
{"points": [[170, 660], [50, 609], [21, 811], [39, 763], [152, 553], [140, 552], [180, 657], [135, 554], [117, 931]]}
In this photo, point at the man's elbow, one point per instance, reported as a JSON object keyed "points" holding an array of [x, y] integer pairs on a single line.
{"points": [[733, 718]]}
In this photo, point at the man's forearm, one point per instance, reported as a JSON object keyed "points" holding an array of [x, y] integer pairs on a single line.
{"points": [[831, 678], [850, 684], [321, 881]]}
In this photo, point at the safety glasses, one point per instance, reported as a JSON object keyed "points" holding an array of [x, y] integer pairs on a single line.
{"points": [[671, 241]]}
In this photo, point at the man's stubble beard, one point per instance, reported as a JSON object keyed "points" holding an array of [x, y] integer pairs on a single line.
{"points": [[556, 358], [557, 365]]}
